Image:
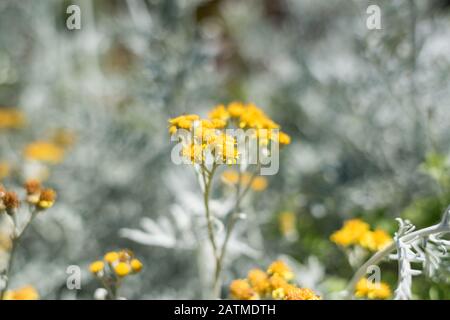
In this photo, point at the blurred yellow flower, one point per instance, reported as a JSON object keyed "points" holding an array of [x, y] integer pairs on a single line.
{"points": [[96, 266], [240, 289], [371, 290], [11, 118], [5, 170], [287, 223], [219, 112], [136, 265], [231, 177], [235, 109], [357, 232], [273, 284], [259, 280], [122, 269], [44, 151], [111, 257], [259, 184], [280, 268], [284, 138], [375, 240], [351, 233], [295, 293], [24, 293]]}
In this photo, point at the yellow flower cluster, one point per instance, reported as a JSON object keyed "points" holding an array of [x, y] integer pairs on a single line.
{"points": [[248, 116], [275, 284], [231, 177], [357, 232], [209, 136], [40, 198], [44, 151], [117, 264], [24, 293], [371, 290], [11, 118]]}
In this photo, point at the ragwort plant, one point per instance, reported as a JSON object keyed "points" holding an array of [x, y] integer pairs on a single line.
{"points": [[207, 144]]}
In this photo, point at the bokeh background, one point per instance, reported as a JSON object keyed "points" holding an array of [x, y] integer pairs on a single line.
{"points": [[367, 110]]}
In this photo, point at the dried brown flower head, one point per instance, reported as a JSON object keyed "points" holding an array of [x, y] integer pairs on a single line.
{"points": [[32, 186]]}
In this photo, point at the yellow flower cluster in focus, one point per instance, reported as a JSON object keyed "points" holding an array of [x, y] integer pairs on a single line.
{"points": [[24, 293], [210, 137], [357, 232], [117, 264], [11, 118], [248, 116], [365, 288], [231, 177], [44, 151], [272, 284]]}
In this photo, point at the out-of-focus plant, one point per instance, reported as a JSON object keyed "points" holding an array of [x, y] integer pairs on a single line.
{"points": [[38, 199], [275, 283], [356, 238], [425, 247], [111, 271], [207, 144]]}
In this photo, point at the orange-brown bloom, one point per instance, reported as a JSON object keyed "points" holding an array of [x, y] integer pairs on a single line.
{"points": [[32, 186], [46, 199], [11, 201]]}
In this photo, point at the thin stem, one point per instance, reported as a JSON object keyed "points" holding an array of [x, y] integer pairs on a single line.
{"points": [[231, 223], [14, 243], [208, 182]]}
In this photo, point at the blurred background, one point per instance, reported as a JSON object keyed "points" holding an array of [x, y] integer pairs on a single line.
{"points": [[86, 111]]}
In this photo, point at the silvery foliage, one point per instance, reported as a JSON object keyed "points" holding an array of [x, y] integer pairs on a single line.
{"points": [[115, 173], [424, 253], [366, 104]]}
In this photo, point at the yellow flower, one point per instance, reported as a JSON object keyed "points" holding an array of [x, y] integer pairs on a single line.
{"points": [[280, 268], [136, 265], [230, 177], [219, 112], [46, 199], [284, 138], [235, 109], [96, 266], [277, 282], [287, 222], [183, 122], [11, 118], [375, 240], [351, 233], [241, 290], [111, 257], [259, 280], [5, 170], [294, 293], [44, 151], [24, 293], [259, 184], [122, 269], [371, 290], [278, 294]]}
